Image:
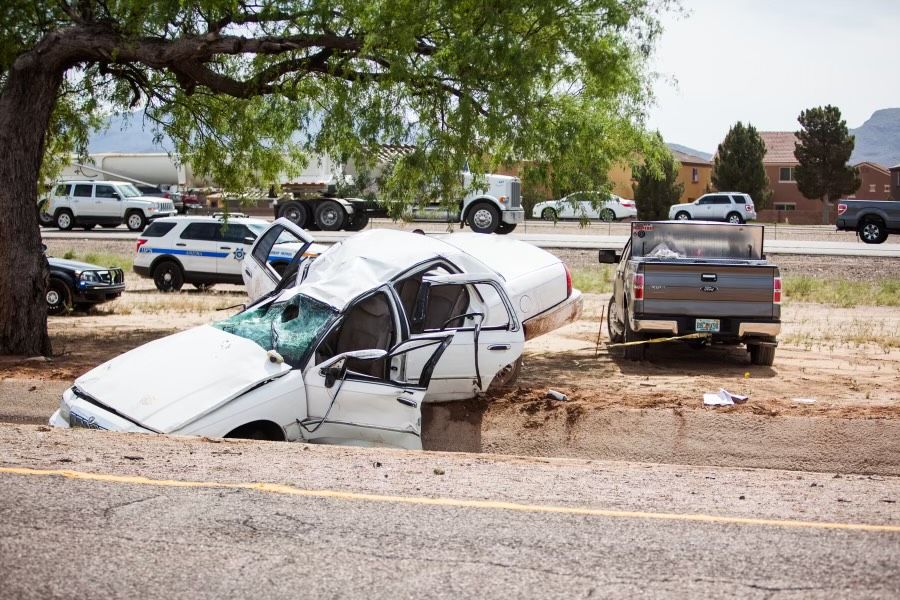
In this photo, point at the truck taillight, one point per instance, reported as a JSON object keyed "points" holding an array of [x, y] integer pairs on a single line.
{"points": [[637, 286], [140, 243], [776, 291], [842, 208], [568, 281]]}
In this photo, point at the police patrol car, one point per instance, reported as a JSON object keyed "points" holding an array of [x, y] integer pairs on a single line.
{"points": [[204, 251]]}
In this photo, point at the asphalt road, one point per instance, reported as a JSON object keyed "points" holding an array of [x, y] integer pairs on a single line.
{"points": [[569, 235], [156, 517]]}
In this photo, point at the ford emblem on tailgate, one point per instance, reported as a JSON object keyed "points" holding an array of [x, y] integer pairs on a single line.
{"points": [[709, 288]]}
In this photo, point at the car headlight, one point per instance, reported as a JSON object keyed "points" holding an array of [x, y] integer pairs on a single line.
{"points": [[89, 277]]}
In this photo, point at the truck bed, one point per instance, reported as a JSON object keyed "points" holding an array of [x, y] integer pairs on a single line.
{"points": [[709, 289]]}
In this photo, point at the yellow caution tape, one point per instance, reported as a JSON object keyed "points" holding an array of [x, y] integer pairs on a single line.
{"points": [[689, 336]]}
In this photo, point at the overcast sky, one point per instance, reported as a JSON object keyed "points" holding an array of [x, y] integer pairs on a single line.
{"points": [[764, 61]]}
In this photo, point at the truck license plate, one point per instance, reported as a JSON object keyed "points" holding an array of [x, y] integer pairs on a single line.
{"points": [[710, 325]]}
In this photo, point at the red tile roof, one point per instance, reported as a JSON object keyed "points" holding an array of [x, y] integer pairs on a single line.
{"points": [[779, 147]]}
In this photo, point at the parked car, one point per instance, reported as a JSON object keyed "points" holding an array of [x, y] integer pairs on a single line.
{"points": [[347, 353], [74, 284], [204, 251], [107, 203], [586, 205], [872, 220], [732, 207], [676, 278]]}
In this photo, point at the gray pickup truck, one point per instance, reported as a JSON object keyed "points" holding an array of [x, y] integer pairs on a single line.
{"points": [[873, 220], [680, 277]]}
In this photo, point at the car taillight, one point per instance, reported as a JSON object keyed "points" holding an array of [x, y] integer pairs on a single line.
{"points": [[568, 281], [748, 207], [842, 208], [140, 243], [776, 291], [637, 286]]}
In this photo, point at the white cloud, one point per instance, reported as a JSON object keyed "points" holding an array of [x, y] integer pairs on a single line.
{"points": [[764, 61]]}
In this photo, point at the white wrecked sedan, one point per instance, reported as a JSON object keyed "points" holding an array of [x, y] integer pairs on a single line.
{"points": [[379, 323]]}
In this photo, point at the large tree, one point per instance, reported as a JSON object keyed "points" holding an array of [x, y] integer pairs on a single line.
{"points": [[656, 185], [738, 165], [823, 149], [247, 88]]}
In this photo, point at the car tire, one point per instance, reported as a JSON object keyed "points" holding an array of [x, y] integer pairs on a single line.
{"points": [[330, 216], [135, 220], [483, 217], [296, 213], [65, 221], [734, 218], [507, 375], [504, 228], [204, 287], [762, 355], [607, 215], [548, 214], [168, 276], [45, 219], [634, 352], [616, 336], [359, 221], [682, 215], [872, 231], [58, 297]]}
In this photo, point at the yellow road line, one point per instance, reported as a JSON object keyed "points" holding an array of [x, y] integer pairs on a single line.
{"points": [[276, 488]]}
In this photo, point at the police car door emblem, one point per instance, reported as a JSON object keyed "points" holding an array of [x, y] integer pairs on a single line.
{"points": [[239, 254]]}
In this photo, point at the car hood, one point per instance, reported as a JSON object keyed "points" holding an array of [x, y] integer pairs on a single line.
{"points": [[62, 263], [168, 383]]}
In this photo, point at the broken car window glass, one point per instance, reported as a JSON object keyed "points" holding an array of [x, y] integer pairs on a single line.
{"points": [[289, 327]]}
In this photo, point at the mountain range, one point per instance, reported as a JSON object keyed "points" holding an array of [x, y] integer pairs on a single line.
{"points": [[878, 139]]}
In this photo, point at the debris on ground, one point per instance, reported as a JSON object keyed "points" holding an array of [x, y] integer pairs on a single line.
{"points": [[723, 398], [805, 400], [554, 395]]}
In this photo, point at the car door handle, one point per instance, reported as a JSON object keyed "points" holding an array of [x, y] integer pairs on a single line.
{"points": [[407, 401], [708, 277], [224, 247], [180, 244], [499, 347]]}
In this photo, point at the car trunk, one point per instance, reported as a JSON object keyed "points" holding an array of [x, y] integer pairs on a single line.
{"points": [[708, 289]]}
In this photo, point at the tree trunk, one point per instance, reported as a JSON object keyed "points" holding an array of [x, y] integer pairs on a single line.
{"points": [[826, 209], [26, 105]]}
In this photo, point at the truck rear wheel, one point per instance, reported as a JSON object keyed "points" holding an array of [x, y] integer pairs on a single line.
{"points": [[762, 355], [483, 218], [330, 216], [634, 352], [295, 213], [872, 231], [359, 221]]}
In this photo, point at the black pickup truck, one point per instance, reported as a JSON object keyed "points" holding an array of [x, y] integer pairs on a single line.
{"points": [[681, 277], [872, 220], [80, 285]]}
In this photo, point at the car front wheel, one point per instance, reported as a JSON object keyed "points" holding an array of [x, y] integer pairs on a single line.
{"points": [[683, 216], [58, 296], [136, 221], [483, 218]]}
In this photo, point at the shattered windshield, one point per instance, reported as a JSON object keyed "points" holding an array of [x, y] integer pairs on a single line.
{"points": [[290, 327]]}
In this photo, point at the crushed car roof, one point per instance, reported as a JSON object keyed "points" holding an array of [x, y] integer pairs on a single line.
{"points": [[370, 259]]}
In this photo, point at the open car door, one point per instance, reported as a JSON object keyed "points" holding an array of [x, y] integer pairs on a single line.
{"points": [[487, 333], [346, 407], [284, 240]]}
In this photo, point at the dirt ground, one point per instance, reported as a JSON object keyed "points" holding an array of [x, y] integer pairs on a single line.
{"points": [[846, 361]]}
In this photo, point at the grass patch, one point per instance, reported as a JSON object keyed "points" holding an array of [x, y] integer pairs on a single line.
{"points": [[594, 280], [842, 293], [101, 259]]}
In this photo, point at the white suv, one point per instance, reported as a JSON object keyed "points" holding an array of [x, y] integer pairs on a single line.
{"points": [[732, 207], [106, 203], [204, 251]]}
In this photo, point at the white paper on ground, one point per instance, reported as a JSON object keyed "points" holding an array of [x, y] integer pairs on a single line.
{"points": [[805, 400], [723, 398]]}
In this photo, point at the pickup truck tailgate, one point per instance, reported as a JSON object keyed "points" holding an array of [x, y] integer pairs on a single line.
{"points": [[709, 290]]}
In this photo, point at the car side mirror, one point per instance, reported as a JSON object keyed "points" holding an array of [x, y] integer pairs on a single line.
{"points": [[332, 372], [249, 240], [609, 257]]}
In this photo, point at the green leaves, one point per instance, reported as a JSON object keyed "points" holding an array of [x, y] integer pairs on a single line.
{"points": [[248, 91]]}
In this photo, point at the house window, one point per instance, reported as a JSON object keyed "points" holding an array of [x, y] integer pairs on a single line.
{"points": [[887, 188], [695, 175], [872, 188], [786, 174], [785, 206]]}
